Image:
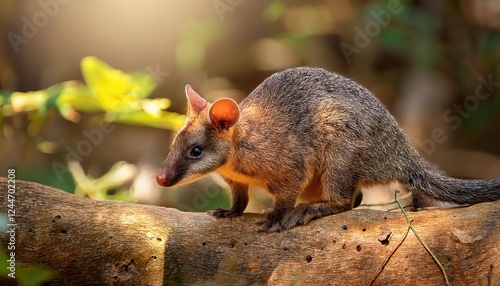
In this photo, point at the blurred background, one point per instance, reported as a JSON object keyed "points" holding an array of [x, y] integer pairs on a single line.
{"points": [[92, 91]]}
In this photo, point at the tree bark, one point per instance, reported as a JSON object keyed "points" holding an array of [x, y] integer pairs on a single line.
{"points": [[108, 242]]}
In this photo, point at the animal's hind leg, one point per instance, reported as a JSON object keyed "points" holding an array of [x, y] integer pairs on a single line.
{"points": [[339, 189]]}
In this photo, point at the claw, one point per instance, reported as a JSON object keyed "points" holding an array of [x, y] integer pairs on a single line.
{"points": [[276, 228], [222, 213], [271, 224]]}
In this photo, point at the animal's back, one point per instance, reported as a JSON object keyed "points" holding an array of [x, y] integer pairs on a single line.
{"points": [[315, 111]]}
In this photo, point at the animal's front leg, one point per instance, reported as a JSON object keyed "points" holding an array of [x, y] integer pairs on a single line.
{"points": [[239, 194]]}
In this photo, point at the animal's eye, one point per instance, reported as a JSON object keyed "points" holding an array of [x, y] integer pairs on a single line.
{"points": [[196, 152]]}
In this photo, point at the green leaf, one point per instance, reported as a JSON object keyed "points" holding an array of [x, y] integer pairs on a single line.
{"points": [[48, 103], [27, 101], [145, 82], [119, 174], [155, 107], [78, 96], [83, 183], [97, 189], [113, 88]]}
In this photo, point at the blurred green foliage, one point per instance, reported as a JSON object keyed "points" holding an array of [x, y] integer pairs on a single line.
{"points": [[196, 36], [105, 187], [120, 96], [106, 92], [274, 11], [451, 46]]}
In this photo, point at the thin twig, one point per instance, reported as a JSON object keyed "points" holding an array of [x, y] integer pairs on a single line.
{"points": [[422, 242], [388, 257]]}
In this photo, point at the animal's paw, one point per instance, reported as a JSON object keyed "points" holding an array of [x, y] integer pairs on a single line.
{"points": [[271, 224], [222, 213], [300, 215]]}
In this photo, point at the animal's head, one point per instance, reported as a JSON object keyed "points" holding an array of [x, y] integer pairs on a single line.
{"points": [[203, 144]]}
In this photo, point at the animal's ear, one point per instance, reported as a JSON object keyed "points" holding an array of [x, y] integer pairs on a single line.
{"points": [[224, 113], [196, 103]]}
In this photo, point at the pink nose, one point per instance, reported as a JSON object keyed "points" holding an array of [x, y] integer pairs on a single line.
{"points": [[161, 179]]}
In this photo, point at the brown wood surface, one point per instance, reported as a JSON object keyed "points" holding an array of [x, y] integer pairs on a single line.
{"points": [[107, 242]]}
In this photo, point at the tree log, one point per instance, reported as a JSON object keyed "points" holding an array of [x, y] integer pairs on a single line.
{"points": [[90, 242]]}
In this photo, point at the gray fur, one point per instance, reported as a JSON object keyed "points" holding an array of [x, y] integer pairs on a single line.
{"points": [[307, 129]]}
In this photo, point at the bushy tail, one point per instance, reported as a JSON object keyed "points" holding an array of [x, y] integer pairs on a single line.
{"points": [[466, 192]]}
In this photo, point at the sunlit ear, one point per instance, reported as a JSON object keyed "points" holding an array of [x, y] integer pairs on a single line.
{"points": [[224, 113], [196, 103]]}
